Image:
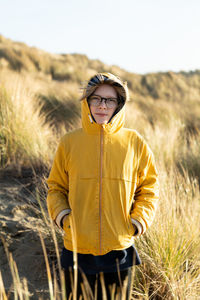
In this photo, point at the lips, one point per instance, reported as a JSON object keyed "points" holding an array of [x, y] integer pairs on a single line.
{"points": [[101, 115]]}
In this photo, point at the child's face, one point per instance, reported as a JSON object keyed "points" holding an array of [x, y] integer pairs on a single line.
{"points": [[102, 113]]}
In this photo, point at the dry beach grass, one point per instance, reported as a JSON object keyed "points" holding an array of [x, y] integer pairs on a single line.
{"points": [[37, 106]]}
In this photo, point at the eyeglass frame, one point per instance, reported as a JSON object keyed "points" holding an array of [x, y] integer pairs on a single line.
{"points": [[103, 98]]}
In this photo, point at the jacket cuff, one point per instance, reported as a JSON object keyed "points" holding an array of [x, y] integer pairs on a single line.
{"points": [[61, 215], [138, 226]]}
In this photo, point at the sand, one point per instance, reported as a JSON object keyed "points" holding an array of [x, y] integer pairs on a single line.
{"points": [[20, 221]]}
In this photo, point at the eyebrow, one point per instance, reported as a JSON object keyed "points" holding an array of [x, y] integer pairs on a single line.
{"points": [[105, 97]]}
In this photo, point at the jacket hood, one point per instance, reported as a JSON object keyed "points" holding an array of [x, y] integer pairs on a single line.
{"points": [[117, 121], [91, 127]]}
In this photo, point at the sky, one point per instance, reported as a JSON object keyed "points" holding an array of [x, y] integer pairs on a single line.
{"points": [[140, 36]]}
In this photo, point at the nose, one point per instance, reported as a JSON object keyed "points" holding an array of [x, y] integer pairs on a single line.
{"points": [[103, 103]]}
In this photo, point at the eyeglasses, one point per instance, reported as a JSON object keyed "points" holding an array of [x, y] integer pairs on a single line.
{"points": [[96, 100]]}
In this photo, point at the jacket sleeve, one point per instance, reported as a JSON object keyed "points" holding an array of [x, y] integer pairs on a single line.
{"points": [[58, 183], [147, 189]]}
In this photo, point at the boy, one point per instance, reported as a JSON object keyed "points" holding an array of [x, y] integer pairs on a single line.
{"points": [[103, 187]]}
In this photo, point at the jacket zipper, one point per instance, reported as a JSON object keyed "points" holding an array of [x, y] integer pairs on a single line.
{"points": [[100, 189]]}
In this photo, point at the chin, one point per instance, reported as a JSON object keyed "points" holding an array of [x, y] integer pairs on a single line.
{"points": [[102, 122]]}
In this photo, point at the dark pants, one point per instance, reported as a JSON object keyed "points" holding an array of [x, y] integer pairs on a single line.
{"points": [[97, 281]]}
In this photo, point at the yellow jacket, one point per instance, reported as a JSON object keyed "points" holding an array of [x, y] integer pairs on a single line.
{"points": [[106, 175]]}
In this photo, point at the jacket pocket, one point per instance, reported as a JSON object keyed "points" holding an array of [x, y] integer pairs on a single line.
{"points": [[130, 226]]}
